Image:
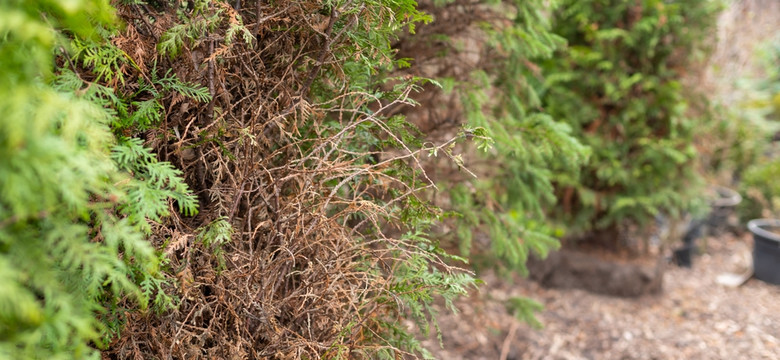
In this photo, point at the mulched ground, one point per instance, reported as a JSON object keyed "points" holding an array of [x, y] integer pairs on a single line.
{"points": [[694, 318]]}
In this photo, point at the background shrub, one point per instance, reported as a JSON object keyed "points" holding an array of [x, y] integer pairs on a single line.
{"points": [[617, 84], [757, 114], [485, 54]]}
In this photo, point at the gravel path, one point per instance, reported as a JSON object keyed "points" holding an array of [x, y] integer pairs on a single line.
{"points": [[694, 318]]}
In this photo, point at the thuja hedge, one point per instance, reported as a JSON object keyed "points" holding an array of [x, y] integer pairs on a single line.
{"points": [[279, 118], [485, 53], [269, 240], [618, 86], [75, 200]]}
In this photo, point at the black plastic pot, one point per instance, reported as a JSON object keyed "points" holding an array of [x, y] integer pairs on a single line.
{"points": [[766, 249], [723, 204], [683, 256]]}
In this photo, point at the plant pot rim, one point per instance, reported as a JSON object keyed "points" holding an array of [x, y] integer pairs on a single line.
{"points": [[755, 227], [725, 197]]}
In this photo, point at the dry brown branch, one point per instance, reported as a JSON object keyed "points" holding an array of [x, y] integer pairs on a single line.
{"points": [[261, 154]]}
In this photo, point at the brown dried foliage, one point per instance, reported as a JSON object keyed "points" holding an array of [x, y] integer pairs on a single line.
{"points": [[295, 282]]}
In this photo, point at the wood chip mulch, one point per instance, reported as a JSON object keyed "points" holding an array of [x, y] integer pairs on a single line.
{"points": [[693, 318]]}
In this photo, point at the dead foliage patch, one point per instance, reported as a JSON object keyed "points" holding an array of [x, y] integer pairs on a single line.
{"points": [[308, 273]]}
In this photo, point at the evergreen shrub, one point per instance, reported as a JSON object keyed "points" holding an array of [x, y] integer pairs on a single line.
{"points": [[485, 54], [274, 115], [310, 241], [758, 116], [618, 86], [76, 202]]}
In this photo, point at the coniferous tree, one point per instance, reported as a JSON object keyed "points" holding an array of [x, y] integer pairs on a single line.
{"points": [[618, 85]]}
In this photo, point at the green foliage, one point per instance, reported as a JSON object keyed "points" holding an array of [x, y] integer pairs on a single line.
{"points": [[215, 235], [502, 214], [509, 202], [617, 86], [414, 286], [197, 24], [72, 222], [736, 136], [762, 191], [756, 115], [156, 183], [771, 83], [139, 109], [524, 310], [104, 59]]}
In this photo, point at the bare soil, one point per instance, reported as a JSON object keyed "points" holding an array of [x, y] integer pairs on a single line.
{"points": [[572, 269], [693, 318]]}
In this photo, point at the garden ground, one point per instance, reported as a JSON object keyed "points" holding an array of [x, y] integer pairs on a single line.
{"points": [[693, 318]]}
